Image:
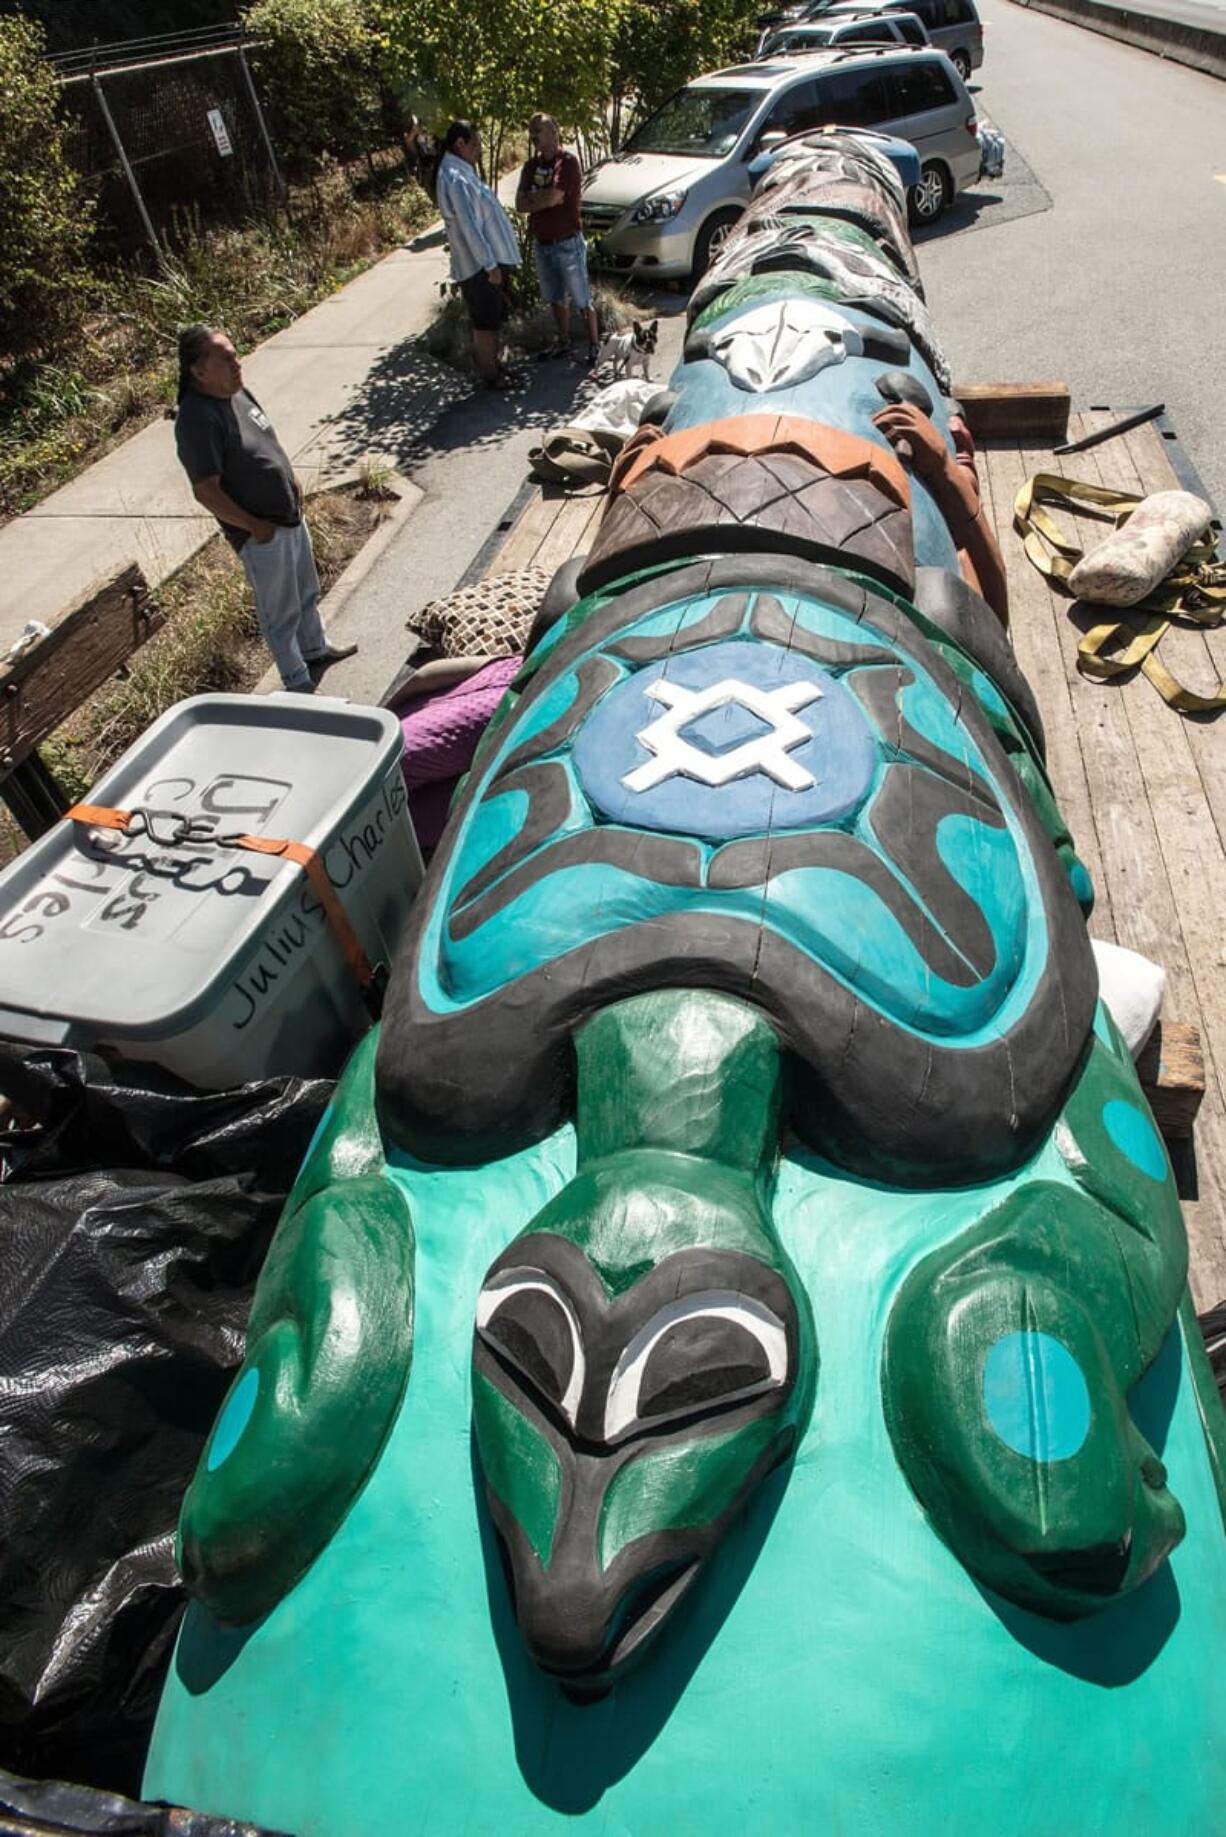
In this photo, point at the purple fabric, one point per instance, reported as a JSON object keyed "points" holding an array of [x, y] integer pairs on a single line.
{"points": [[440, 737]]}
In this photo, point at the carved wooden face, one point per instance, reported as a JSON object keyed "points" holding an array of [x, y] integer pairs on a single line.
{"points": [[620, 1431]]}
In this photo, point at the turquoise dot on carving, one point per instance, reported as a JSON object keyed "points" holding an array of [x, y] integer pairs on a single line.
{"points": [[1082, 885], [1136, 1138], [235, 1415], [1036, 1396]]}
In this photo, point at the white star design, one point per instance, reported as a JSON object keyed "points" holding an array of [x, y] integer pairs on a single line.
{"points": [[675, 757]]}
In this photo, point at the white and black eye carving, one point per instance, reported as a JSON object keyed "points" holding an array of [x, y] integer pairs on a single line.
{"points": [[699, 1353], [529, 1320]]}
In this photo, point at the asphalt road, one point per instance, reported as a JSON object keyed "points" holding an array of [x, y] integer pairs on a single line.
{"points": [[1101, 260]]}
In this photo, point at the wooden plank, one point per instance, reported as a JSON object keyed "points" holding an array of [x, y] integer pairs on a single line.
{"points": [[1171, 1067], [1033, 618], [1196, 656], [1005, 411], [1195, 865], [1177, 874], [1203, 1189], [1189, 849], [1141, 903], [530, 529], [41, 688], [566, 536]]}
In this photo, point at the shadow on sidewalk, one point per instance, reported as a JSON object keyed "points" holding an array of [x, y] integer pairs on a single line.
{"points": [[412, 407]]}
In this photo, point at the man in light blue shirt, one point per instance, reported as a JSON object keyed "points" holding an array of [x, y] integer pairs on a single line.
{"points": [[483, 244]]}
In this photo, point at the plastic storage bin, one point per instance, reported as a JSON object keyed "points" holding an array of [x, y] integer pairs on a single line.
{"points": [[216, 963]]}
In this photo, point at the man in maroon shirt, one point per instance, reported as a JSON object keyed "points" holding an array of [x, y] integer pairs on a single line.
{"points": [[549, 194]]}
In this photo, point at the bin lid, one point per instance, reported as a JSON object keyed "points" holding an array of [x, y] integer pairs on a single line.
{"points": [[118, 934]]}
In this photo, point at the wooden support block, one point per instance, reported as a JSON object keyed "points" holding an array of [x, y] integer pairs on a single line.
{"points": [[1015, 411], [41, 688], [1171, 1068]]}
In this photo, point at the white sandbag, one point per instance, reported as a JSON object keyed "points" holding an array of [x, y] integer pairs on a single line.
{"points": [[1131, 988], [1132, 561], [618, 408]]}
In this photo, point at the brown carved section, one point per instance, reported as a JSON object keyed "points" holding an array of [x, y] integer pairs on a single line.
{"points": [[756, 482], [833, 450]]}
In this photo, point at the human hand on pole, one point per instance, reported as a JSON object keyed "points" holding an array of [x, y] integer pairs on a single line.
{"points": [[914, 437]]}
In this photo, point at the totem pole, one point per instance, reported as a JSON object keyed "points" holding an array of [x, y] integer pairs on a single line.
{"points": [[726, 1364]]}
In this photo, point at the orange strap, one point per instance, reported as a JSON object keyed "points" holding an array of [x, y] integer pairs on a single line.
{"points": [[312, 864], [100, 816]]}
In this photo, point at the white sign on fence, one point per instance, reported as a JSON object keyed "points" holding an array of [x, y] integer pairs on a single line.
{"points": [[221, 133]]}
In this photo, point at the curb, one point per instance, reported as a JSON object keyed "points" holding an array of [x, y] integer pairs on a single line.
{"points": [[1200, 47]]}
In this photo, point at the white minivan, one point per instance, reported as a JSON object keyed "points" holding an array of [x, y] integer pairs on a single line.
{"points": [[660, 208]]}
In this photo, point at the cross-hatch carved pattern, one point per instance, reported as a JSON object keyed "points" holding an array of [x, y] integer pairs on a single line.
{"points": [[778, 493]]}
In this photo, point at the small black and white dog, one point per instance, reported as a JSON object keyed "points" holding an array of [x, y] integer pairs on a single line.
{"points": [[630, 352]]}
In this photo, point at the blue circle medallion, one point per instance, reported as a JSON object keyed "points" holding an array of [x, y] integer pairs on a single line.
{"points": [[1036, 1396], [235, 1415], [1134, 1135], [729, 740]]}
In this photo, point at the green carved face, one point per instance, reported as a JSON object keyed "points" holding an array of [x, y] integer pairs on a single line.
{"points": [[621, 1427]]}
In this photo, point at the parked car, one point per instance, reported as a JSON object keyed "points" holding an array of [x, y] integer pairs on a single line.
{"points": [[837, 34], [954, 26], [662, 206]]}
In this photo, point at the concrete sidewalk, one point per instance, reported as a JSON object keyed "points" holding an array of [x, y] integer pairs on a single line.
{"points": [[135, 504]]}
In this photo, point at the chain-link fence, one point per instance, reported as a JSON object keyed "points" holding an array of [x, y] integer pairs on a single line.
{"points": [[172, 136]]}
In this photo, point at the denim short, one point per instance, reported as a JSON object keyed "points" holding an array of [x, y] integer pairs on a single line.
{"points": [[562, 270]]}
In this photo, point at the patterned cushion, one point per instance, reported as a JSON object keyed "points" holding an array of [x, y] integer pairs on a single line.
{"points": [[492, 618]]}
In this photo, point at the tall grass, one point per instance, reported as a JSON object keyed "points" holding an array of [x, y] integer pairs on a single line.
{"points": [[209, 643], [55, 417]]}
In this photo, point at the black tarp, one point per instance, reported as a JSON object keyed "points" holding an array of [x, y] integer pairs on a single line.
{"points": [[48, 1808], [134, 1217]]}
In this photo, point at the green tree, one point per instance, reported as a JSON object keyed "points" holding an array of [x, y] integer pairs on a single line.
{"points": [[317, 62], [47, 223], [662, 44], [496, 62]]}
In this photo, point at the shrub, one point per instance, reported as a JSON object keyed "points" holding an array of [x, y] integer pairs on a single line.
{"points": [[47, 223], [318, 76]]}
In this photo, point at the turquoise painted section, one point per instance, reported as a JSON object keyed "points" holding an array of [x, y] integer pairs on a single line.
{"points": [[1134, 1135], [842, 395], [843, 923], [835, 1671], [235, 1415], [1082, 885], [1036, 1396], [1102, 1027], [835, 919]]}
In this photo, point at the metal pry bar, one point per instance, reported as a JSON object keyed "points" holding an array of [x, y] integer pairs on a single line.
{"points": [[1117, 427]]}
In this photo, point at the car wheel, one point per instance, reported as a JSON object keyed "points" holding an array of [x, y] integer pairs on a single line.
{"points": [[928, 199], [711, 239], [962, 64]]}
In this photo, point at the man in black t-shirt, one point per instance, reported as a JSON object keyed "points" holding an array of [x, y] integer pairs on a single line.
{"points": [[240, 471]]}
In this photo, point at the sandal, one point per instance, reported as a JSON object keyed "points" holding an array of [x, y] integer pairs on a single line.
{"points": [[555, 350]]}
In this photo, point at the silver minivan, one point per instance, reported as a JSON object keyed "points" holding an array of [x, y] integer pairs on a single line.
{"points": [[660, 208]]}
